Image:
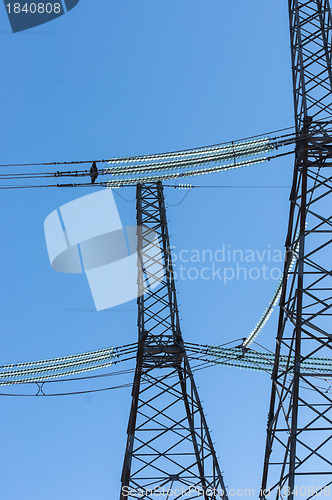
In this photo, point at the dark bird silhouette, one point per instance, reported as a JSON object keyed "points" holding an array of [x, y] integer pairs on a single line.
{"points": [[93, 172]]}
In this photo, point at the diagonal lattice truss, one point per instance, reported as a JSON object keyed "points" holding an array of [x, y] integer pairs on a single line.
{"points": [[169, 447], [311, 36], [298, 459]]}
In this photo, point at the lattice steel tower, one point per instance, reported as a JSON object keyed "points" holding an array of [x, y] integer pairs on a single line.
{"points": [[169, 444], [298, 456]]}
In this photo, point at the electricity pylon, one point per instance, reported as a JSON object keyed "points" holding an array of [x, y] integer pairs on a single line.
{"points": [[298, 455], [169, 447]]}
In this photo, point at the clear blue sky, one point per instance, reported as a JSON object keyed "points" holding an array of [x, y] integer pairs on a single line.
{"points": [[122, 78]]}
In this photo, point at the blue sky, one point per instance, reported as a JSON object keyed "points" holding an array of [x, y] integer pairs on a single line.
{"points": [[124, 78]]}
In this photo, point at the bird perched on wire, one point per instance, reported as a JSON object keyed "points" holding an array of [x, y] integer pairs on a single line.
{"points": [[93, 172]]}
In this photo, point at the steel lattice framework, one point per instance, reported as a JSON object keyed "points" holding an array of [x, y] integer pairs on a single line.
{"points": [[298, 458], [169, 444]]}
